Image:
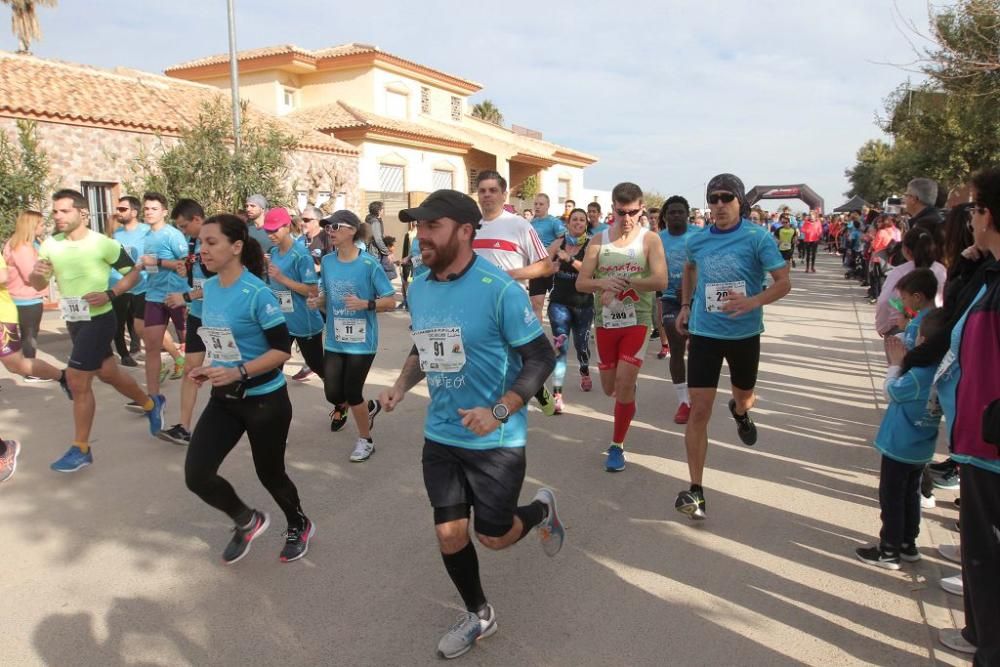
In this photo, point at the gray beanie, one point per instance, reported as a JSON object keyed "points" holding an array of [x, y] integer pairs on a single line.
{"points": [[730, 183], [259, 200]]}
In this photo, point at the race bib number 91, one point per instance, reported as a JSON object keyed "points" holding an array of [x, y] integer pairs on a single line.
{"points": [[441, 350]]}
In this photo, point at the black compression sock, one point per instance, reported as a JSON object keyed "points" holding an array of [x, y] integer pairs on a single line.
{"points": [[463, 568], [530, 516], [697, 487]]}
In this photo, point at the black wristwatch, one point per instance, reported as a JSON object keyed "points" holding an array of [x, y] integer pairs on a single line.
{"points": [[371, 304], [501, 413], [244, 375], [186, 296]]}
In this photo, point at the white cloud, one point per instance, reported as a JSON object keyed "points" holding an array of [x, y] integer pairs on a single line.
{"points": [[666, 93]]}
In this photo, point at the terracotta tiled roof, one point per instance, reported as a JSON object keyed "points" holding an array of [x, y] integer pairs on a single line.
{"points": [[340, 115], [342, 50], [123, 98]]}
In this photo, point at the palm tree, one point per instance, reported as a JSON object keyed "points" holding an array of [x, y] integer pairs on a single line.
{"points": [[24, 21], [487, 111]]}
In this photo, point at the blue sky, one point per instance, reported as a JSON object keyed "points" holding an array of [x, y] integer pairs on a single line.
{"points": [[666, 93]]}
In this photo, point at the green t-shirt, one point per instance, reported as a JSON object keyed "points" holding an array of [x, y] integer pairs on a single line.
{"points": [[785, 237], [83, 266]]}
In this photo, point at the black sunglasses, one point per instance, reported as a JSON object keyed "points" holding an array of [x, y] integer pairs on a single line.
{"points": [[123, 209], [724, 197], [622, 212]]}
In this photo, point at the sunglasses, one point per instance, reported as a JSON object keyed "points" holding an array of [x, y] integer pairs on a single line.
{"points": [[123, 209], [724, 197], [337, 226], [631, 214]]}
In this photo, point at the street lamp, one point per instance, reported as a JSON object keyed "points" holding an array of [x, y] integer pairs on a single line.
{"points": [[234, 74]]}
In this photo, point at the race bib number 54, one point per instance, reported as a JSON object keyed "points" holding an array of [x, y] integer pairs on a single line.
{"points": [[716, 294], [219, 344], [441, 350]]}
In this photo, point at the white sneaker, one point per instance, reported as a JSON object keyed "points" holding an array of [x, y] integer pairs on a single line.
{"points": [[362, 450], [954, 640], [952, 552], [953, 585], [927, 502]]}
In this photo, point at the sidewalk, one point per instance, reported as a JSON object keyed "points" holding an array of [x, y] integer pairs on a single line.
{"points": [[119, 564]]}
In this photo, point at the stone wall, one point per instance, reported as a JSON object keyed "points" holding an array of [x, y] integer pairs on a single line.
{"points": [[79, 154]]}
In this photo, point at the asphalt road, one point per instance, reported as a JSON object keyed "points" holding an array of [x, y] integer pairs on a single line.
{"points": [[119, 564]]}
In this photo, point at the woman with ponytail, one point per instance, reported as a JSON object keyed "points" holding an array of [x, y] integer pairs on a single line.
{"points": [[920, 252], [247, 342]]}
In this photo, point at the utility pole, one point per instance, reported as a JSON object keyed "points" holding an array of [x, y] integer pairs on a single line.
{"points": [[234, 74]]}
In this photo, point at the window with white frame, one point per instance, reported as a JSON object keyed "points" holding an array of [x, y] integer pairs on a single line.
{"points": [[395, 104], [390, 178], [443, 179], [287, 100], [563, 190]]}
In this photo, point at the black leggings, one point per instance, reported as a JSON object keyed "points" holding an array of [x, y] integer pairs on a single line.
{"points": [[265, 420], [30, 323], [122, 305], [311, 348], [811, 253], [344, 377]]}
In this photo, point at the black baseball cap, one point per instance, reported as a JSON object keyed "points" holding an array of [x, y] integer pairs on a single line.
{"points": [[453, 204], [342, 217]]}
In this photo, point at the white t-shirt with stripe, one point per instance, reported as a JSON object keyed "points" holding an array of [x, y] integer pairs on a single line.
{"points": [[508, 242]]}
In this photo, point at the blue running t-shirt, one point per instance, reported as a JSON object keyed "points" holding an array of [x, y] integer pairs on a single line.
{"points": [[548, 229], [297, 264], [133, 241], [168, 243], [675, 252], [417, 260], [352, 331], [466, 331], [237, 316], [198, 279], [734, 260]]}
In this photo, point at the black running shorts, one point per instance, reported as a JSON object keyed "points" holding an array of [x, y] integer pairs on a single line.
{"points": [[539, 286], [705, 357], [487, 480], [192, 341], [92, 341]]}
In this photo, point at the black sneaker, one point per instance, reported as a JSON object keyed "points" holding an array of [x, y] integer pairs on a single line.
{"points": [[745, 427], [949, 479], [878, 557], [130, 362], [135, 347], [242, 537], [942, 467], [338, 417], [909, 553], [692, 504], [65, 386], [176, 434], [374, 407], [297, 542]]}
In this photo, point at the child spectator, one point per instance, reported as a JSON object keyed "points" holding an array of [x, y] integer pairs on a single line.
{"points": [[906, 438], [917, 291], [389, 261]]}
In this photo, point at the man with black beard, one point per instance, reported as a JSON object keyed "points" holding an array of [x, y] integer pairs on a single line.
{"points": [[484, 354]]}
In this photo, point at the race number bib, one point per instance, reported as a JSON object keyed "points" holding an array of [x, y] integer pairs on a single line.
{"points": [[153, 268], [198, 283], [219, 344], [716, 293], [441, 350], [347, 330], [618, 315], [285, 301], [74, 309]]}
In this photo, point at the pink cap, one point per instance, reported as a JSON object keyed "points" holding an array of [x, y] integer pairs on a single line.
{"points": [[275, 219]]}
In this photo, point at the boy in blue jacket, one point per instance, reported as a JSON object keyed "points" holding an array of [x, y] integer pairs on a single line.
{"points": [[906, 438]]}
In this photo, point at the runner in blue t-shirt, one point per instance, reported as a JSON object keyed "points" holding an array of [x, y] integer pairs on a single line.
{"points": [[354, 288], [293, 278], [675, 214], [725, 271], [189, 217], [484, 354], [549, 228], [164, 258], [131, 305], [246, 343]]}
